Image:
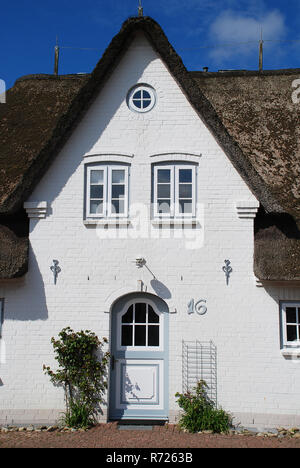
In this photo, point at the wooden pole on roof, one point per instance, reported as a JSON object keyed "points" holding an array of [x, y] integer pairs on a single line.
{"points": [[261, 52], [56, 58], [141, 12]]}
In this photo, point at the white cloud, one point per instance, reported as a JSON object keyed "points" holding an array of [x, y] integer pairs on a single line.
{"points": [[231, 27]]}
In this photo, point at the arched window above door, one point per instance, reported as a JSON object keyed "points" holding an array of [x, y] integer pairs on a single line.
{"points": [[140, 326]]}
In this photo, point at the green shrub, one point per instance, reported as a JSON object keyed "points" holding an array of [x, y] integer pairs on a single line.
{"points": [[200, 413], [82, 374]]}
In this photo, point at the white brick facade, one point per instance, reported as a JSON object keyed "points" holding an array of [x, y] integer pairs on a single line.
{"points": [[254, 380]]}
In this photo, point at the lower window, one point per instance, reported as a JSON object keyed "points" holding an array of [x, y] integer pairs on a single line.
{"points": [[290, 319]]}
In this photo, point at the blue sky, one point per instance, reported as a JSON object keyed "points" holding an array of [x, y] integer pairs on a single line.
{"points": [[218, 34]]}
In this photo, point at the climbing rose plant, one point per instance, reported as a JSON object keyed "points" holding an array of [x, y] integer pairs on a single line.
{"points": [[82, 373]]}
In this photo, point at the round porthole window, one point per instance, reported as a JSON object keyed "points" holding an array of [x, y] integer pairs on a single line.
{"points": [[141, 98]]}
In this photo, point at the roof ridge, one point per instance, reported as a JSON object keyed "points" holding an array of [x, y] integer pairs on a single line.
{"points": [[232, 73]]}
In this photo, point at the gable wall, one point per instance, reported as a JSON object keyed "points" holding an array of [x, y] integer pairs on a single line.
{"points": [[96, 270]]}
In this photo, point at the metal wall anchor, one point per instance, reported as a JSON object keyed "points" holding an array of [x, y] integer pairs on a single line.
{"points": [[55, 270], [227, 270]]}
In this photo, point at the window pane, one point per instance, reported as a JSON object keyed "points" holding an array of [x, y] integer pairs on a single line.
{"points": [[118, 191], [128, 317], [185, 191], [152, 316], [153, 335], [146, 104], [185, 206], [146, 95], [291, 333], [118, 176], [117, 207], [96, 207], [164, 175], [291, 316], [137, 103], [164, 206], [126, 335], [137, 95], [164, 191], [96, 191], [140, 313], [97, 177], [185, 175], [140, 335]]}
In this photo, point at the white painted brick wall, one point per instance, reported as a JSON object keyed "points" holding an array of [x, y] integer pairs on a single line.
{"points": [[254, 380]]}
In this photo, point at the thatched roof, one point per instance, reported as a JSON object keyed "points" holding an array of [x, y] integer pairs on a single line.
{"points": [[13, 254], [258, 112], [250, 114]]}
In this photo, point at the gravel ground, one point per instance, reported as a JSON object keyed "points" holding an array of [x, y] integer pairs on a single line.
{"points": [[109, 436]]}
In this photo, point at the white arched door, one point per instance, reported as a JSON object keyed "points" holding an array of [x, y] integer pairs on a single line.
{"points": [[139, 358]]}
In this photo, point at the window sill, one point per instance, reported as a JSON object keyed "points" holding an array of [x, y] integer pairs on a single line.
{"points": [[175, 222], [294, 352], [107, 222]]}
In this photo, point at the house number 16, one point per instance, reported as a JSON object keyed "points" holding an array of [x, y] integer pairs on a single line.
{"points": [[198, 307]]}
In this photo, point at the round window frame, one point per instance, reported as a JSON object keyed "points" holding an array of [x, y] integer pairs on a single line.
{"points": [[135, 89]]}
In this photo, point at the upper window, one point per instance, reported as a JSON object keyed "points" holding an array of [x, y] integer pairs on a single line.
{"points": [[175, 190], [141, 98], [107, 191], [291, 323]]}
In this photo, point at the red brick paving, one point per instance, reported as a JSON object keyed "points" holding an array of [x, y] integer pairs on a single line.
{"points": [[108, 436]]}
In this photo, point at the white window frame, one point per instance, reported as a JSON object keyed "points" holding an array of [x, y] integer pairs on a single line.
{"points": [[107, 190], [284, 324], [172, 195], [175, 206], [141, 87]]}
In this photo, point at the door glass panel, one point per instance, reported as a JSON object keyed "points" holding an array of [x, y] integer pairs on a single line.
{"points": [[140, 313], [127, 335], [140, 326], [140, 335], [128, 317], [153, 335], [152, 316], [291, 316]]}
